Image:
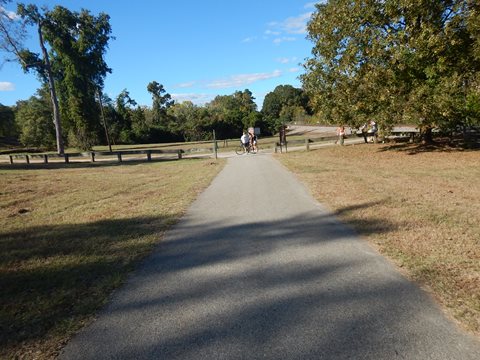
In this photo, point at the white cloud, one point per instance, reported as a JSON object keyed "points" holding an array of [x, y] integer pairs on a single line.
{"points": [[242, 80], [297, 24], [311, 5], [197, 99], [10, 14], [271, 32], [283, 39], [283, 30], [249, 39], [6, 86], [185, 85], [285, 60]]}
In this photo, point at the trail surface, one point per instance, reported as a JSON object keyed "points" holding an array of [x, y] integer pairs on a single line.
{"points": [[258, 270]]}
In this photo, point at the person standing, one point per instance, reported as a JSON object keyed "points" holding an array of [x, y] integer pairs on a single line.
{"points": [[364, 129], [254, 143], [341, 135], [373, 131], [245, 140]]}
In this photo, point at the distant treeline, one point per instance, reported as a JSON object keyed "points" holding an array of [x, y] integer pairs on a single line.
{"points": [[125, 122], [71, 69], [392, 61]]}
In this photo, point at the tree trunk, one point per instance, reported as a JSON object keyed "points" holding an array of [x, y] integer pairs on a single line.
{"points": [[104, 119], [53, 94], [428, 136]]}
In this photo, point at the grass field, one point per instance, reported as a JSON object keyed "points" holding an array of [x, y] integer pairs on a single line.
{"points": [[70, 234], [420, 208]]}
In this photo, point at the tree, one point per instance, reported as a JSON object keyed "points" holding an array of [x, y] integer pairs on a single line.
{"points": [[122, 125], [190, 121], [393, 61], [75, 63], [7, 122], [33, 117], [161, 102], [141, 131], [11, 37], [283, 104], [78, 42], [230, 114]]}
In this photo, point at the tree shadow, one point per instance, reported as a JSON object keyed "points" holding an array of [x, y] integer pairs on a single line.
{"points": [[89, 260], [305, 287], [55, 273], [420, 148], [299, 287]]}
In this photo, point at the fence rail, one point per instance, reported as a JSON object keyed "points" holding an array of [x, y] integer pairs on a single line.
{"points": [[94, 154]]}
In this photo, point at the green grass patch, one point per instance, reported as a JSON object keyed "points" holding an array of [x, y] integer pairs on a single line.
{"points": [[70, 235]]}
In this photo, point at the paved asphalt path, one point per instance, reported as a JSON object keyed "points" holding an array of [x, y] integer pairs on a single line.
{"points": [[258, 270]]}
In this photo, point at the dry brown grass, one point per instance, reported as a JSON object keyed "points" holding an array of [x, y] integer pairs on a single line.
{"points": [[70, 234], [420, 208]]}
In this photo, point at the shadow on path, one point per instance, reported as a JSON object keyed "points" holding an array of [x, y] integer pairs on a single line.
{"points": [[298, 288]]}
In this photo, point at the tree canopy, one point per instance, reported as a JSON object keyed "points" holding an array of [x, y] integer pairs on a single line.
{"points": [[73, 63], [283, 105], [396, 61]]}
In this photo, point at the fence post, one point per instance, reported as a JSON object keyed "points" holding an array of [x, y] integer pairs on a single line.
{"points": [[67, 159], [119, 155], [27, 159], [92, 156], [149, 155], [45, 159], [179, 154], [11, 159], [307, 144], [215, 145]]}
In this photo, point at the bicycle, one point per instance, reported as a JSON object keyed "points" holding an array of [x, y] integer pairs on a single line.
{"points": [[242, 149]]}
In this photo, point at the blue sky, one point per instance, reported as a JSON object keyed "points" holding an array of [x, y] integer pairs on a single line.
{"points": [[196, 49]]}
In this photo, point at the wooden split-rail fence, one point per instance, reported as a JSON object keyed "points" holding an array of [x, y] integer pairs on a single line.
{"points": [[93, 155]]}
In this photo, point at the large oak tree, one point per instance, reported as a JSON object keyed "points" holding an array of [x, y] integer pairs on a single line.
{"points": [[395, 61]]}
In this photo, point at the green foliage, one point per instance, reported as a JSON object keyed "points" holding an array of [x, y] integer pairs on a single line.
{"points": [[79, 41], [394, 61], [75, 64], [189, 121], [7, 122], [231, 114], [285, 104], [34, 118], [161, 102], [121, 123]]}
